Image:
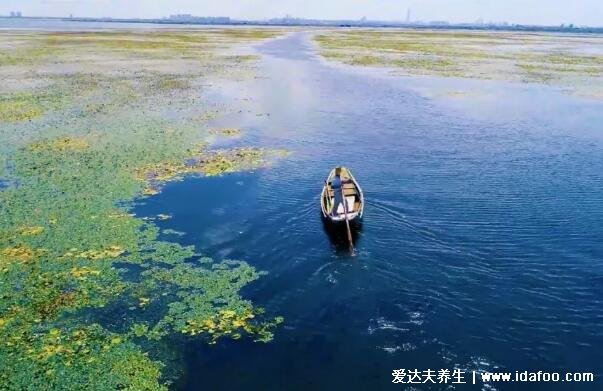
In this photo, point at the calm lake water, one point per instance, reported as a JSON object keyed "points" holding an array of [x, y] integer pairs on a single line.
{"points": [[65, 25], [75, 25], [482, 242]]}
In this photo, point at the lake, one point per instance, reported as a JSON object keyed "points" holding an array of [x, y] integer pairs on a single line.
{"points": [[481, 246]]}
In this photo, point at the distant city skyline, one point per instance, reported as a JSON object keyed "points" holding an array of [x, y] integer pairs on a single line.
{"points": [[538, 12]]}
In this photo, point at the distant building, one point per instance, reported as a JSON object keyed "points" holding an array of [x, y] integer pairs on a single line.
{"points": [[15, 14], [408, 16], [181, 17], [188, 18], [439, 23]]}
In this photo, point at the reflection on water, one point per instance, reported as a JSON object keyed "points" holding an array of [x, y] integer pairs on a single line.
{"points": [[338, 235], [480, 245]]}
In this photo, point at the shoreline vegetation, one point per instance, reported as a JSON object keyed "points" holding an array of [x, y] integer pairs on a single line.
{"points": [[90, 122], [569, 61]]}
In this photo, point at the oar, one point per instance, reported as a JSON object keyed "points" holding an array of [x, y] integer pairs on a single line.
{"points": [[347, 222]]}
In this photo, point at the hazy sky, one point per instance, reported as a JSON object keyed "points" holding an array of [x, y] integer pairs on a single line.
{"points": [[553, 12]]}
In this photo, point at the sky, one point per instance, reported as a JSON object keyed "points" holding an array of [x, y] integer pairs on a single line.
{"points": [[542, 12]]}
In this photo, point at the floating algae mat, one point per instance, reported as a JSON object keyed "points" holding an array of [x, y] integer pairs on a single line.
{"points": [[85, 130], [554, 59]]}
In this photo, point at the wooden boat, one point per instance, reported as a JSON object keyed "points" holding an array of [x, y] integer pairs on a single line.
{"points": [[352, 193]]}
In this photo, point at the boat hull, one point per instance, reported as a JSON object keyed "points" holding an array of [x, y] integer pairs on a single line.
{"points": [[341, 218], [351, 189]]}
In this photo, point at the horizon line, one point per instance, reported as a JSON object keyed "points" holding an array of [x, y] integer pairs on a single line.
{"points": [[432, 23]]}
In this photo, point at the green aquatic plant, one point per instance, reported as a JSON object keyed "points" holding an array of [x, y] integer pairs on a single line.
{"points": [[246, 34], [29, 105], [520, 57], [365, 60], [227, 132], [88, 356], [220, 162], [208, 163], [199, 289], [170, 82], [60, 144], [71, 250], [30, 52], [535, 73], [25, 106]]}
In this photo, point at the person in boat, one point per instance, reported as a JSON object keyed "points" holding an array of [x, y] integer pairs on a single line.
{"points": [[337, 185]]}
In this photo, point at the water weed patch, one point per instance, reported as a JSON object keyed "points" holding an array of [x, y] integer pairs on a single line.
{"points": [[511, 56], [77, 152]]}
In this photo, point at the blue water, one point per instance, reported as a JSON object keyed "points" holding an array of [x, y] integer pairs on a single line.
{"points": [[75, 25], [481, 246]]}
